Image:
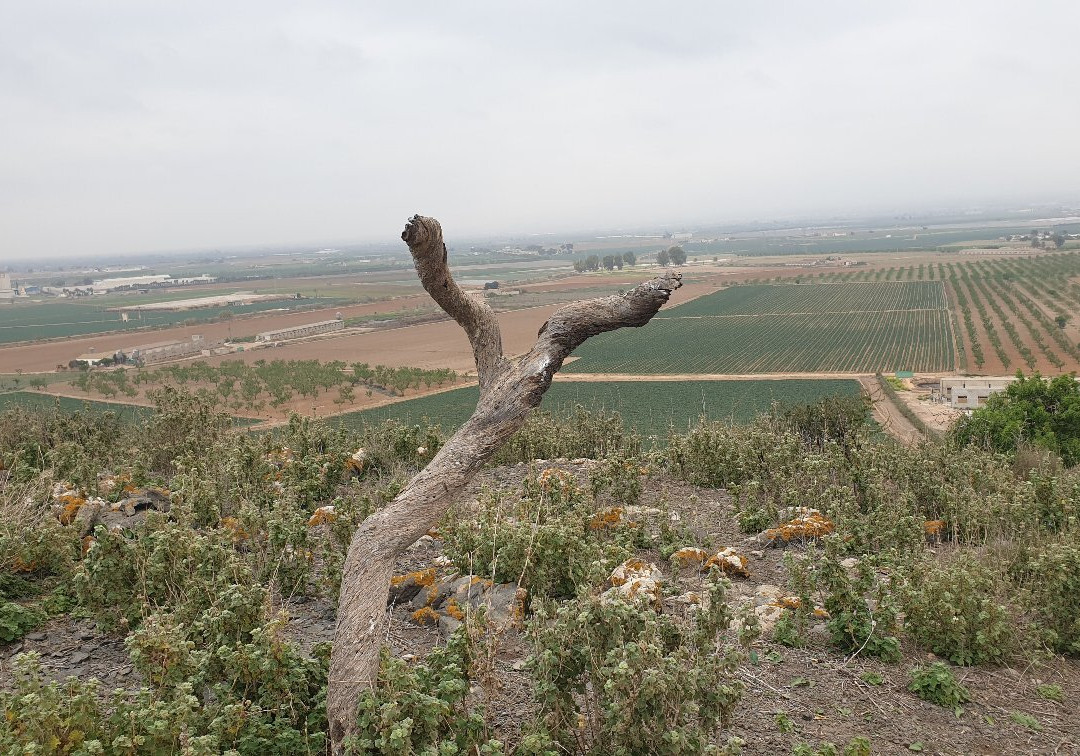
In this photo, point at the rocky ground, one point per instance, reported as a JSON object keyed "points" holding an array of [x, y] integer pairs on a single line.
{"points": [[808, 695]]}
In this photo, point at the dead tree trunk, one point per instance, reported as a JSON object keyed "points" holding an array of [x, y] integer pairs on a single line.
{"points": [[509, 389]]}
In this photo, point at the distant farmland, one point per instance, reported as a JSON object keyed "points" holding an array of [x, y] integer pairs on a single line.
{"points": [[862, 327], [56, 319], [649, 407]]}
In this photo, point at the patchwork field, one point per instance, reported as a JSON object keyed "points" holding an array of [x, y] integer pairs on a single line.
{"points": [[50, 320], [800, 328], [649, 407]]}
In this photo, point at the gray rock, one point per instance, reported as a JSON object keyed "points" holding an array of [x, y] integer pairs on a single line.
{"points": [[447, 625], [502, 604], [431, 595], [78, 657], [145, 499], [35, 636], [88, 516]]}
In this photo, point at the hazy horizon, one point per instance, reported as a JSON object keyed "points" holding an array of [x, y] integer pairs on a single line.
{"points": [[135, 129]]}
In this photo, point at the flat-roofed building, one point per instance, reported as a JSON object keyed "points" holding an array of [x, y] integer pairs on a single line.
{"points": [[297, 332], [972, 393], [166, 350], [7, 292]]}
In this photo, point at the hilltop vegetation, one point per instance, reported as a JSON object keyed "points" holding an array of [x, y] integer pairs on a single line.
{"points": [[205, 554]]}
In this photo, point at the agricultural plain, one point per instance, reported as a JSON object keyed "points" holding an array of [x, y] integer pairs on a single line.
{"points": [[651, 408], [796, 328]]}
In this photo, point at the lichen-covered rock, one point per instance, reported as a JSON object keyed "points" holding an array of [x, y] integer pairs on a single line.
{"points": [[404, 588], [322, 516], [689, 556], [770, 603], [636, 578], [88, 516], [806, 525], [425, 615], [454, 597], [729, 561], [607, 519], [140, 500]]}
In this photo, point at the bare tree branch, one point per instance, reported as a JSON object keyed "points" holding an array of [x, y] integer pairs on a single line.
{"points": [[424, 237], [509, 391]]}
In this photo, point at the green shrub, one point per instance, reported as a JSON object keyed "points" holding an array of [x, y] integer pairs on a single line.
{"points": [[619, 477], [422, 708], [935, 683], [1051, 582], [639, 681], [853, 625], [957, 610], [550, 536], [17, 620], [580, 433], [264, 698]]}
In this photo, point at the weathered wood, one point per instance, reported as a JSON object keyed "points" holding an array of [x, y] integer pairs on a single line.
{"points": [[509, 390]]}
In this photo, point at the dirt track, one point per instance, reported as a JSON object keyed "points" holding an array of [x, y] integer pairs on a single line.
{"points": [[888, 414]]}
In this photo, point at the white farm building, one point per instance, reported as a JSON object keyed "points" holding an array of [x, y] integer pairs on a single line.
{"points": [[300, 331]]}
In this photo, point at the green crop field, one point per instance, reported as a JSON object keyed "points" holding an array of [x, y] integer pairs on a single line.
{"points": [[787, 328], [33, 401], [649, 407], [48, 320], [815, 298]]}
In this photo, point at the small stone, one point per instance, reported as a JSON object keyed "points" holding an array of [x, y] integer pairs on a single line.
{"points": [[35, 636], [766, 594], [519, 665], [759, 554], [87, 635], [78, 657]]}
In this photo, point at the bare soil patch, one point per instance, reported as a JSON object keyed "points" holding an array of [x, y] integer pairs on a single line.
{"points": [[888, 414], [45, 357]]}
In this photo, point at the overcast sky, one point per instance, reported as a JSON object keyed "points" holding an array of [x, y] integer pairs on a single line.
{"points": [[137, 126]]}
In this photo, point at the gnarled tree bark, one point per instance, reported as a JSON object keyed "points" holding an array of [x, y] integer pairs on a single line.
{"points": [[509, 389]]}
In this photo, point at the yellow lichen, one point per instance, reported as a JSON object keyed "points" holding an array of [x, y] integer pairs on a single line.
{"points": [[606, 519], [22, 565], [788, 602], [421, 578], [425, 616], [518, 610], [233, 525], [71, 504], [322, 516], [453, 610], [809, 526], [689, 555], [934, 529]]}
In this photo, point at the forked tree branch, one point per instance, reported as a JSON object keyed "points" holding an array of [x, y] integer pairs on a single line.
{"points": [[509, 391], [424, 237]]}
